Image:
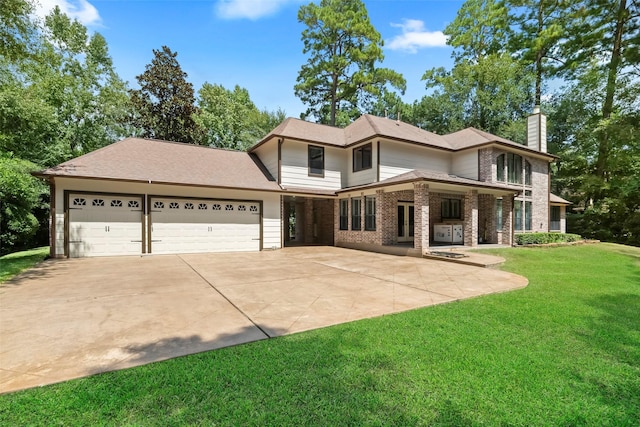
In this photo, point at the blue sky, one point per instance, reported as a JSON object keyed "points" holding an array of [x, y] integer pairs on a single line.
{"points": [[256, 43]]}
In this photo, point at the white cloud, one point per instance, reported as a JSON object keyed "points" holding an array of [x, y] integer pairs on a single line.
{"points": [[81, 10], [249, 9], [415, 36]]}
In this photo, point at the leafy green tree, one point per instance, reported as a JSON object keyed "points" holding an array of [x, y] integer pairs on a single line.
{"points": [[487, 87], [16, 28], [341, 76], [229, 119], [540, 27], [65, 99], [165, 103], [391, 105], [606, 40], [20, 194]]}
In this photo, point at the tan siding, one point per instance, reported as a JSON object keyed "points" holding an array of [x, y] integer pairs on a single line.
{"points": [[398, 158], [362, 177], [295, 167], [268, 155], [465, 164]]}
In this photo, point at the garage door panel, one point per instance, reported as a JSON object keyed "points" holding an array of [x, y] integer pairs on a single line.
{"points": [[104, 225], [189, 226]]}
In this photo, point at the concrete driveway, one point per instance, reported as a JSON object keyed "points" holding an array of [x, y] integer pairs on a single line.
{"points": [[72, 318]]}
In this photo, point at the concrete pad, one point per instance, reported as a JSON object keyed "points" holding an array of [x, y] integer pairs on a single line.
{"points": [[71, 318]]}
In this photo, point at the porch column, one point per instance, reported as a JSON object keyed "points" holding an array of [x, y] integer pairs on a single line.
{"points": [[471, 218], [380, 217], [421, 216], [507, 220], [308, 220]]}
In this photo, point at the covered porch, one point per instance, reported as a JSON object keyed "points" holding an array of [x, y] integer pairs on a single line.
{"points": [[420, 214]]}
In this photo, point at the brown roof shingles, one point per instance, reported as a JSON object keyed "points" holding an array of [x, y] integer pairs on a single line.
{"points": [[137, 159], [368, 126]]}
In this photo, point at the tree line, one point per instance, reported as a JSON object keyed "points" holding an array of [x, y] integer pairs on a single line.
{"points": [[61, 97]]}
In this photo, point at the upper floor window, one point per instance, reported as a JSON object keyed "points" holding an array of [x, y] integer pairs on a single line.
{"points": [[511, 166], [362, 157], [316, 160]]}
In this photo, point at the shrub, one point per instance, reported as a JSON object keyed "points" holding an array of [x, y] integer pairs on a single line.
{"points": [[546, 238], [20, 194]]}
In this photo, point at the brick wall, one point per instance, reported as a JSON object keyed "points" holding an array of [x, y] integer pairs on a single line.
{"points": [[487, 165], [540, 195], [471, 218], [421, 210], [487, 218]]}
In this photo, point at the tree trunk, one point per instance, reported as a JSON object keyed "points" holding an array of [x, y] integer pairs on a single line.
{"points": [[612, 75]]}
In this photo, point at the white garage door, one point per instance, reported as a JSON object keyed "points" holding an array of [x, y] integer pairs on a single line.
{"points": [[104, 225], [189, 226]]}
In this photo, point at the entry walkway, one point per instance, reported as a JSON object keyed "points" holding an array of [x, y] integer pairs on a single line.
{"points": [[71, 318]]}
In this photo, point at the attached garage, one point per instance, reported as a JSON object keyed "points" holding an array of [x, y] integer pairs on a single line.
{"points": [[100, 225], [140, 196], [203, 225]]}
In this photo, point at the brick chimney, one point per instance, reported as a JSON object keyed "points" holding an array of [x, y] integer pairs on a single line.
{"points": [[537, 130]]}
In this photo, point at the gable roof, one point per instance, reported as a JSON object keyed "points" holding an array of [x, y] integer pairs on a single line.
{"points": [[148, 160], [368, 126]]}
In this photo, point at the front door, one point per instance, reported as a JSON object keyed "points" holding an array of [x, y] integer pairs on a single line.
{"points": [[405, 222]]}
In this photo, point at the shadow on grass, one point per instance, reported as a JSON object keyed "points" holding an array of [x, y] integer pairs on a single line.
{"points": [[172, 347]]}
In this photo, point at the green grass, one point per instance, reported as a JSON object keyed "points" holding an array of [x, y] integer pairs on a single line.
{"points": [[565, 351], [14, 263]]}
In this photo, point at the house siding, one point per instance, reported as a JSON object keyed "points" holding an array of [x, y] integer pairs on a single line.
{"points": [[365, 176], [268, 155], [295, 167], [270, 202], [465, 164], [398, 158]]}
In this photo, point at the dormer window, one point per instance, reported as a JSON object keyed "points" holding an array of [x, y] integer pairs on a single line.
{"points": [[316, 160], [362, 157]]}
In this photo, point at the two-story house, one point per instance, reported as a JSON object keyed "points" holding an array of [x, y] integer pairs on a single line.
{"points": [[377, 183]]}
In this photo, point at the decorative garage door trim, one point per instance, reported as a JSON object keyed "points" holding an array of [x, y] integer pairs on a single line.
{"points": [[194, 224], [99, 223]]}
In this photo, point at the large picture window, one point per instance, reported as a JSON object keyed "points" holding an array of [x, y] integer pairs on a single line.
{"points": [[356, 216], [344, 214], [316, 160], [362, 157], [510, 166], [370, 213], [451, 209]]}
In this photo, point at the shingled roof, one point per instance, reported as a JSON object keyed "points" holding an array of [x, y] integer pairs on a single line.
{"points": [[163, 162], [368, 126]]}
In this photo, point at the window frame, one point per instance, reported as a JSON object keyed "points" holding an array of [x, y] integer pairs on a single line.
{"points": [[356, 214], [344, 214], [448, 213], [358, 153], [370, 213], [314, 170], [499, 211]]}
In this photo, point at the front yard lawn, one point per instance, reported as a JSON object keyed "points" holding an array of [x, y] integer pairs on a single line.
{"points": [[563, 351], [14, 263]]}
